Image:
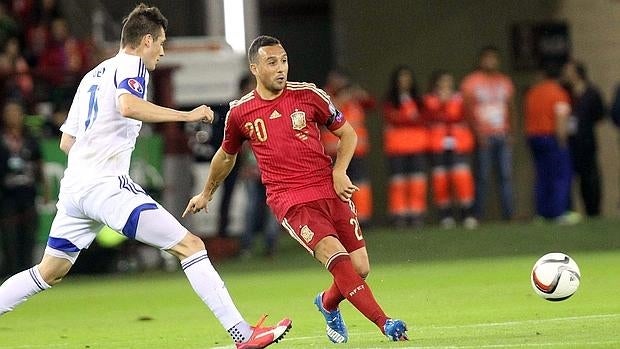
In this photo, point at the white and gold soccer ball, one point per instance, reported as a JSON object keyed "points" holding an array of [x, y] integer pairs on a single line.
{"points": [[555, 276]]}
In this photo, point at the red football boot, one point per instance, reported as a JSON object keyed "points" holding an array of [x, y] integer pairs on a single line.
{"points": [[264, 336]]}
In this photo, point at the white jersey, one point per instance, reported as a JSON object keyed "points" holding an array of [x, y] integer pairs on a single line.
{"points": [[104, 139]]}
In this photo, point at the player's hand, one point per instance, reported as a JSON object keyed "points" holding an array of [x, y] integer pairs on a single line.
{"points": [[343, 186], [196, 204], [201, 113]]}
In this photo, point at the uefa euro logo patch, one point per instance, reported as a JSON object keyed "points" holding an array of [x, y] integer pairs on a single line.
{"points": [[135, 85], [335, 112]]}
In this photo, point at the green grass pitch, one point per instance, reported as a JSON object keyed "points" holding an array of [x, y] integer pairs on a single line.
{"points": [[455, 289]]}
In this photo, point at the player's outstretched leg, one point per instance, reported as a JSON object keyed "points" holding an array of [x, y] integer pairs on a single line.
{"points": [[209, 286], [23, 285], [395, 330], [335, 327], [263, 336]]}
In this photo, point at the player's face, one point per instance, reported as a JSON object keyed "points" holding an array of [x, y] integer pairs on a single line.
{"points": [[154, 50], [271, 68]]}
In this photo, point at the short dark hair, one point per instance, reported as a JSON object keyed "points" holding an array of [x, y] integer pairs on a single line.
{"points": [[141, 21], [261, 41]]}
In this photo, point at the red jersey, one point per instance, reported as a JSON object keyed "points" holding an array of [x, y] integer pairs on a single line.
{"points": [[284, 135]]}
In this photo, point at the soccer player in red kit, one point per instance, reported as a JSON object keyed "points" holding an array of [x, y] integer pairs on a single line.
{"points": [[308, 194]]}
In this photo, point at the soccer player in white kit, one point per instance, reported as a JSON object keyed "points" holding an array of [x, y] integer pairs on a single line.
{"points": [[99, 136]]}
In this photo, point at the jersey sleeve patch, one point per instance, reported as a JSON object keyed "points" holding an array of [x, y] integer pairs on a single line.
{"points": [[335, 119], [135, 86]]}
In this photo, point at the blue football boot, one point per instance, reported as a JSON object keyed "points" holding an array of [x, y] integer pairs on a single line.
{"points": [[396, 330], [336, 329]]}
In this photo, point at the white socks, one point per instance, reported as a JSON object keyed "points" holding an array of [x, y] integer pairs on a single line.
{"points": [[19, 287], [211, 289]]}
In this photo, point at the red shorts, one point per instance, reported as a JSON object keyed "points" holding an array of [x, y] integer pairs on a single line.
{"points": [[310, 222]]}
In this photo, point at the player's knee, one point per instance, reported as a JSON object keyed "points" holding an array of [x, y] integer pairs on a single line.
{"points": [[360, 262], [195, 243], [53, 279], [188, 246], [362, 270], [327, 248], [55, 264], [53, 275]]}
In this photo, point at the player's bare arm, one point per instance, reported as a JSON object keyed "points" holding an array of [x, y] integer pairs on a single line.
{"points": [[139, 109], [221, 165], [66, 142], [346, 148]]}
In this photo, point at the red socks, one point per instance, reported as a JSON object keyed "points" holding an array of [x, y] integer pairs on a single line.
{"points": [[347, 283], [332, 297]]}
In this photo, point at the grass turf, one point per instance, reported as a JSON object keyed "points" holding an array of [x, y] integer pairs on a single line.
{"points": [[456, 289]]}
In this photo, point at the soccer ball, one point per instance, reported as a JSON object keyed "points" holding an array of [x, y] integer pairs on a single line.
{"points": [[555, 277]]}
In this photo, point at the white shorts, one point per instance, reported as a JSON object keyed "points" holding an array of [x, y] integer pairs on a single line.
{"points": [[118, 203]]}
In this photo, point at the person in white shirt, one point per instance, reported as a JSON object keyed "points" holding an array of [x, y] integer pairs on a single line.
{"points": [[99, 136]]}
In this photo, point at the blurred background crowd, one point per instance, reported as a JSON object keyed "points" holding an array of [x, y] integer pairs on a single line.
{"points": [[467, 121]]}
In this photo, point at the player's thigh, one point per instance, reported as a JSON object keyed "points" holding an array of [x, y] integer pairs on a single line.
{"points": [[350, 234], [327, 249], [158, 228], [308, 224], [348, 230], [70, 232], [123, 205], [117, 202]]}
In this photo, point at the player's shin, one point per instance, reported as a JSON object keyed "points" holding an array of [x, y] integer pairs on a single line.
{"points": [[19, 287], [211, 289], [355, 289]]}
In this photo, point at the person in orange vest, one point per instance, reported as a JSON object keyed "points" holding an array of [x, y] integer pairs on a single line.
{"points": [[451, 143], [405, 145], [350, 99]]}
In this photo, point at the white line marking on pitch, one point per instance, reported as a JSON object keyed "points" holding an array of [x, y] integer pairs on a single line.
{"points": [[484, 324], [533, 321]]}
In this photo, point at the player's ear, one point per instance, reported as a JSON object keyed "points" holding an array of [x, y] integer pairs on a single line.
{"points": [[253, 69], [147, 40]]}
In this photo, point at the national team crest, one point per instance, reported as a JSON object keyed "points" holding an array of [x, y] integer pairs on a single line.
{"points": [[299, 120], [306, 233]]}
